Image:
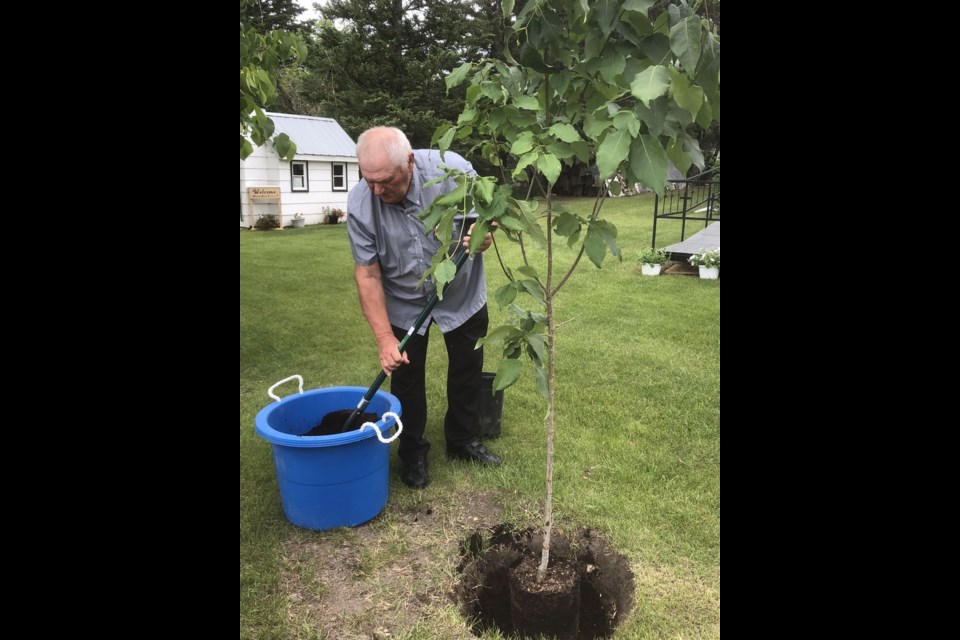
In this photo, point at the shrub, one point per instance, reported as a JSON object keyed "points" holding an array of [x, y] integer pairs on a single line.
{"points": [[332, 216], [267, 221]]}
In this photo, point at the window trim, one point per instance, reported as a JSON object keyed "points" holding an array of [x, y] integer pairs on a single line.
{"points": [[333, 177], [306, 176]]}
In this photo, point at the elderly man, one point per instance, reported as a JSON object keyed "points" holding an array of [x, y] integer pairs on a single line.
{"points": [[391, 250]]}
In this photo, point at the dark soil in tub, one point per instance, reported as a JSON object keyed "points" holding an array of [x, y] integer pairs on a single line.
{"points": [[333, 422]]}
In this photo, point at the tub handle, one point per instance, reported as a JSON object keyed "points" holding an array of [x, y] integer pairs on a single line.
{"points": [[377, 429], [297, 376]]}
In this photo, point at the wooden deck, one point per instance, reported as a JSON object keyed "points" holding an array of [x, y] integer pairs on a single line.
{"points": [[708, 238]]}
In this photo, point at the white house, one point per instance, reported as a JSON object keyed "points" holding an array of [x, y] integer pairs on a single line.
{"points": [[320, 175]]}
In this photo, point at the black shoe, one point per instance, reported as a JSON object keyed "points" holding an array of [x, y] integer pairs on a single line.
{"points": [[414, 473], [474, 451]]}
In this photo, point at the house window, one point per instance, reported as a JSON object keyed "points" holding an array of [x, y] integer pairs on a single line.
{"points": [[299, 176], [339, 172]]}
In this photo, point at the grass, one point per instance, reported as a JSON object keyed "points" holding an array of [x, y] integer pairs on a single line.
{"points": [[638, 432]]}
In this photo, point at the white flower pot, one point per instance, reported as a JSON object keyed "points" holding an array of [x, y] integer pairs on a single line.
{"points": [[297, 223], [650, 269], [709, 273]]}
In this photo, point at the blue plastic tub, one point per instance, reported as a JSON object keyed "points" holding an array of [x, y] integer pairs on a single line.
{"points": [[330, 481]]}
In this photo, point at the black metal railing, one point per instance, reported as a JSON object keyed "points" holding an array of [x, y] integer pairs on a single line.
{"points": [[696, 198]]}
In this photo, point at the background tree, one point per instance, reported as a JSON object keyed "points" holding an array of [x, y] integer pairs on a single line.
{"points": [[268, 15], [383, 62], [603, 83], [261, 57]]}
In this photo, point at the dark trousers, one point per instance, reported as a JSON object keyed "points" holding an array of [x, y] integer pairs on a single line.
{"points": [[465, 364]]}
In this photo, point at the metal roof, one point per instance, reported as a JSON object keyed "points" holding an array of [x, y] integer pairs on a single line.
{"points": [[315, 136]]}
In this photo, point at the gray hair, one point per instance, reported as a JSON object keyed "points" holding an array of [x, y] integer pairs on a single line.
{"points": [[398, 148]]}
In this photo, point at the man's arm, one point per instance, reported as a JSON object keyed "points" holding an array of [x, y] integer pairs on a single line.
{"points": [[374, 305]]}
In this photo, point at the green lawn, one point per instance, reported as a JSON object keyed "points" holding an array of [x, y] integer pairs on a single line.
{"points": [[638, 427]]}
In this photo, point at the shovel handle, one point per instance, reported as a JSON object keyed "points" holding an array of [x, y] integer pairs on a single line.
{"points": [[458, 260]]}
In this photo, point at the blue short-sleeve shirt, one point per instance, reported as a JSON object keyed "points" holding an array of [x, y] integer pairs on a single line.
{"points": [[394, 236]]}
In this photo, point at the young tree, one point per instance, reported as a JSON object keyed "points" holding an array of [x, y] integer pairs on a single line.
{"points": [[601, 82]]}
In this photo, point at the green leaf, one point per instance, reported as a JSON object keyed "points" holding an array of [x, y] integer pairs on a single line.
{"points": [[521, 119], [542, 386], [526, 102], [692, 147], [458, 75], [467, 116], [708, 113], [533, 289], [594, 125], [650, 84], [522, 144], [549, 166], [511, 223], [678, 157], [626, 119], [655, 116], [574, 239], [525, 160], [502, 333], [505, 295], [612, 67], [648, 162], [245, 148], [566, 224], [534, 232], [608, 231], [688, 97], [536, 342], [445, 272], [657, 46], [479, 235], [440, 131], [685, 42], [444, 143], [708, 71], [507, 374], [454, 197], [584, 9], [613, 150], [562, 150], [492, 91], [564, 132], [606, 15], [285, 147], [483, 189], [592, 45], [431, 216], [506, 7], [638, 5], [595, 246], [529, 271]]}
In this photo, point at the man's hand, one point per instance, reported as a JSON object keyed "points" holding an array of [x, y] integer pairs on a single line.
{"points": [[486, 241], [390, 356]]}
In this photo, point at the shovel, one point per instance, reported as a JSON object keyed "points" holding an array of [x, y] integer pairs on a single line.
{"points": [[459, 259]]}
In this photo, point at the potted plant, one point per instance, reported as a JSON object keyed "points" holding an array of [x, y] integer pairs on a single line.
{"points": [[709, 262], [298, 221], [651, 261]]}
